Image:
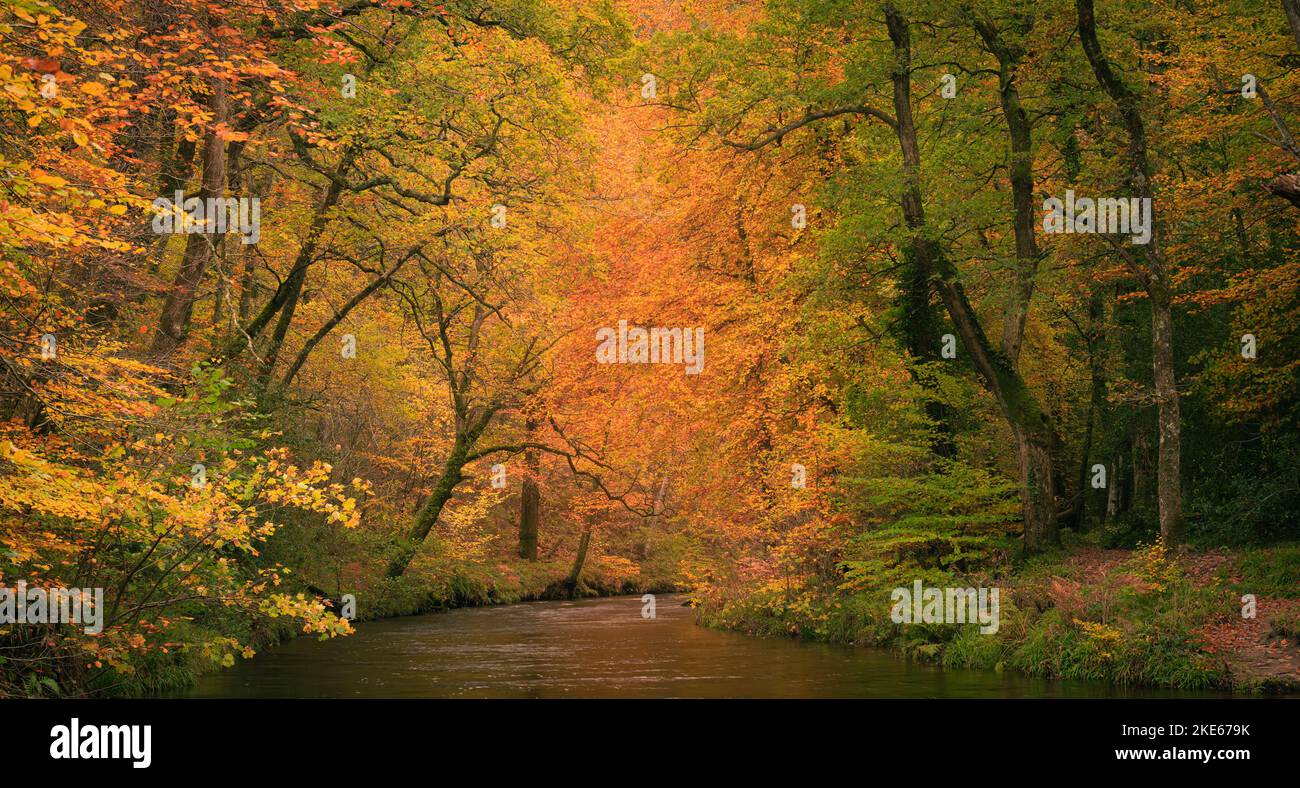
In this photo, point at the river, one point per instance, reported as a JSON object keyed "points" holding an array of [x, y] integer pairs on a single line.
{"points": [[600, 648]]}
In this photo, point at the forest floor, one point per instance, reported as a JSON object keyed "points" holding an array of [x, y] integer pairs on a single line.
{"points": [[1256, 649]]}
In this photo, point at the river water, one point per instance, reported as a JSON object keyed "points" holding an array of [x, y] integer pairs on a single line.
{"points": [[599, 648]]}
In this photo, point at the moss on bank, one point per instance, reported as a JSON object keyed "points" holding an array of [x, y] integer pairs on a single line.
{"points": [[1133, 618], [471, 585]]}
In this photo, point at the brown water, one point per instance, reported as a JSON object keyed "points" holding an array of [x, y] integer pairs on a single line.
{"points": [[599, 648]]}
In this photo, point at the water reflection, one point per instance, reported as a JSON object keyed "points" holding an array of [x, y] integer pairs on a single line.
{"points": [[599, 648]]}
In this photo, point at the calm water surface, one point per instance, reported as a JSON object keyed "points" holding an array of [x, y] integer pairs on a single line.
{"points": [[598, 648]]}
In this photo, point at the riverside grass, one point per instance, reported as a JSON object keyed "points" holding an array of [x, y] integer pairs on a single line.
{"points": [[1141, 622]]}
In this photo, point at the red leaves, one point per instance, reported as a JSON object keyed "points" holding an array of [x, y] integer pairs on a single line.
{"points": [[45, 65]]}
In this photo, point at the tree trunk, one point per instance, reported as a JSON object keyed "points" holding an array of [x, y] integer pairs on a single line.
{"points": [[291, 288], [223, 283], [248, 286], [1079, 503], [573, 582], [175, 165], [179, 306], [530, 499], [333, 322], [923, 327], [1141, 453], [1292, 8], [1155, 278], [432, 509], [923, 339], [1169, 466], [1114, 488], [1020, 134], [467, 436], [1098, 407], [229, 255], [1035, 437], [278, 336], [1038, 493]]}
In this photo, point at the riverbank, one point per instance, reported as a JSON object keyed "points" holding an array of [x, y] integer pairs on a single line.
{"points": [[501, 583], [431, 587], [1131, 617], [1140, 617], [609, 647]]}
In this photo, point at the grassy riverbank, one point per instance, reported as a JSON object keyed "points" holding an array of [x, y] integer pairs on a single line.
{"points": [[1138, 617]]}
